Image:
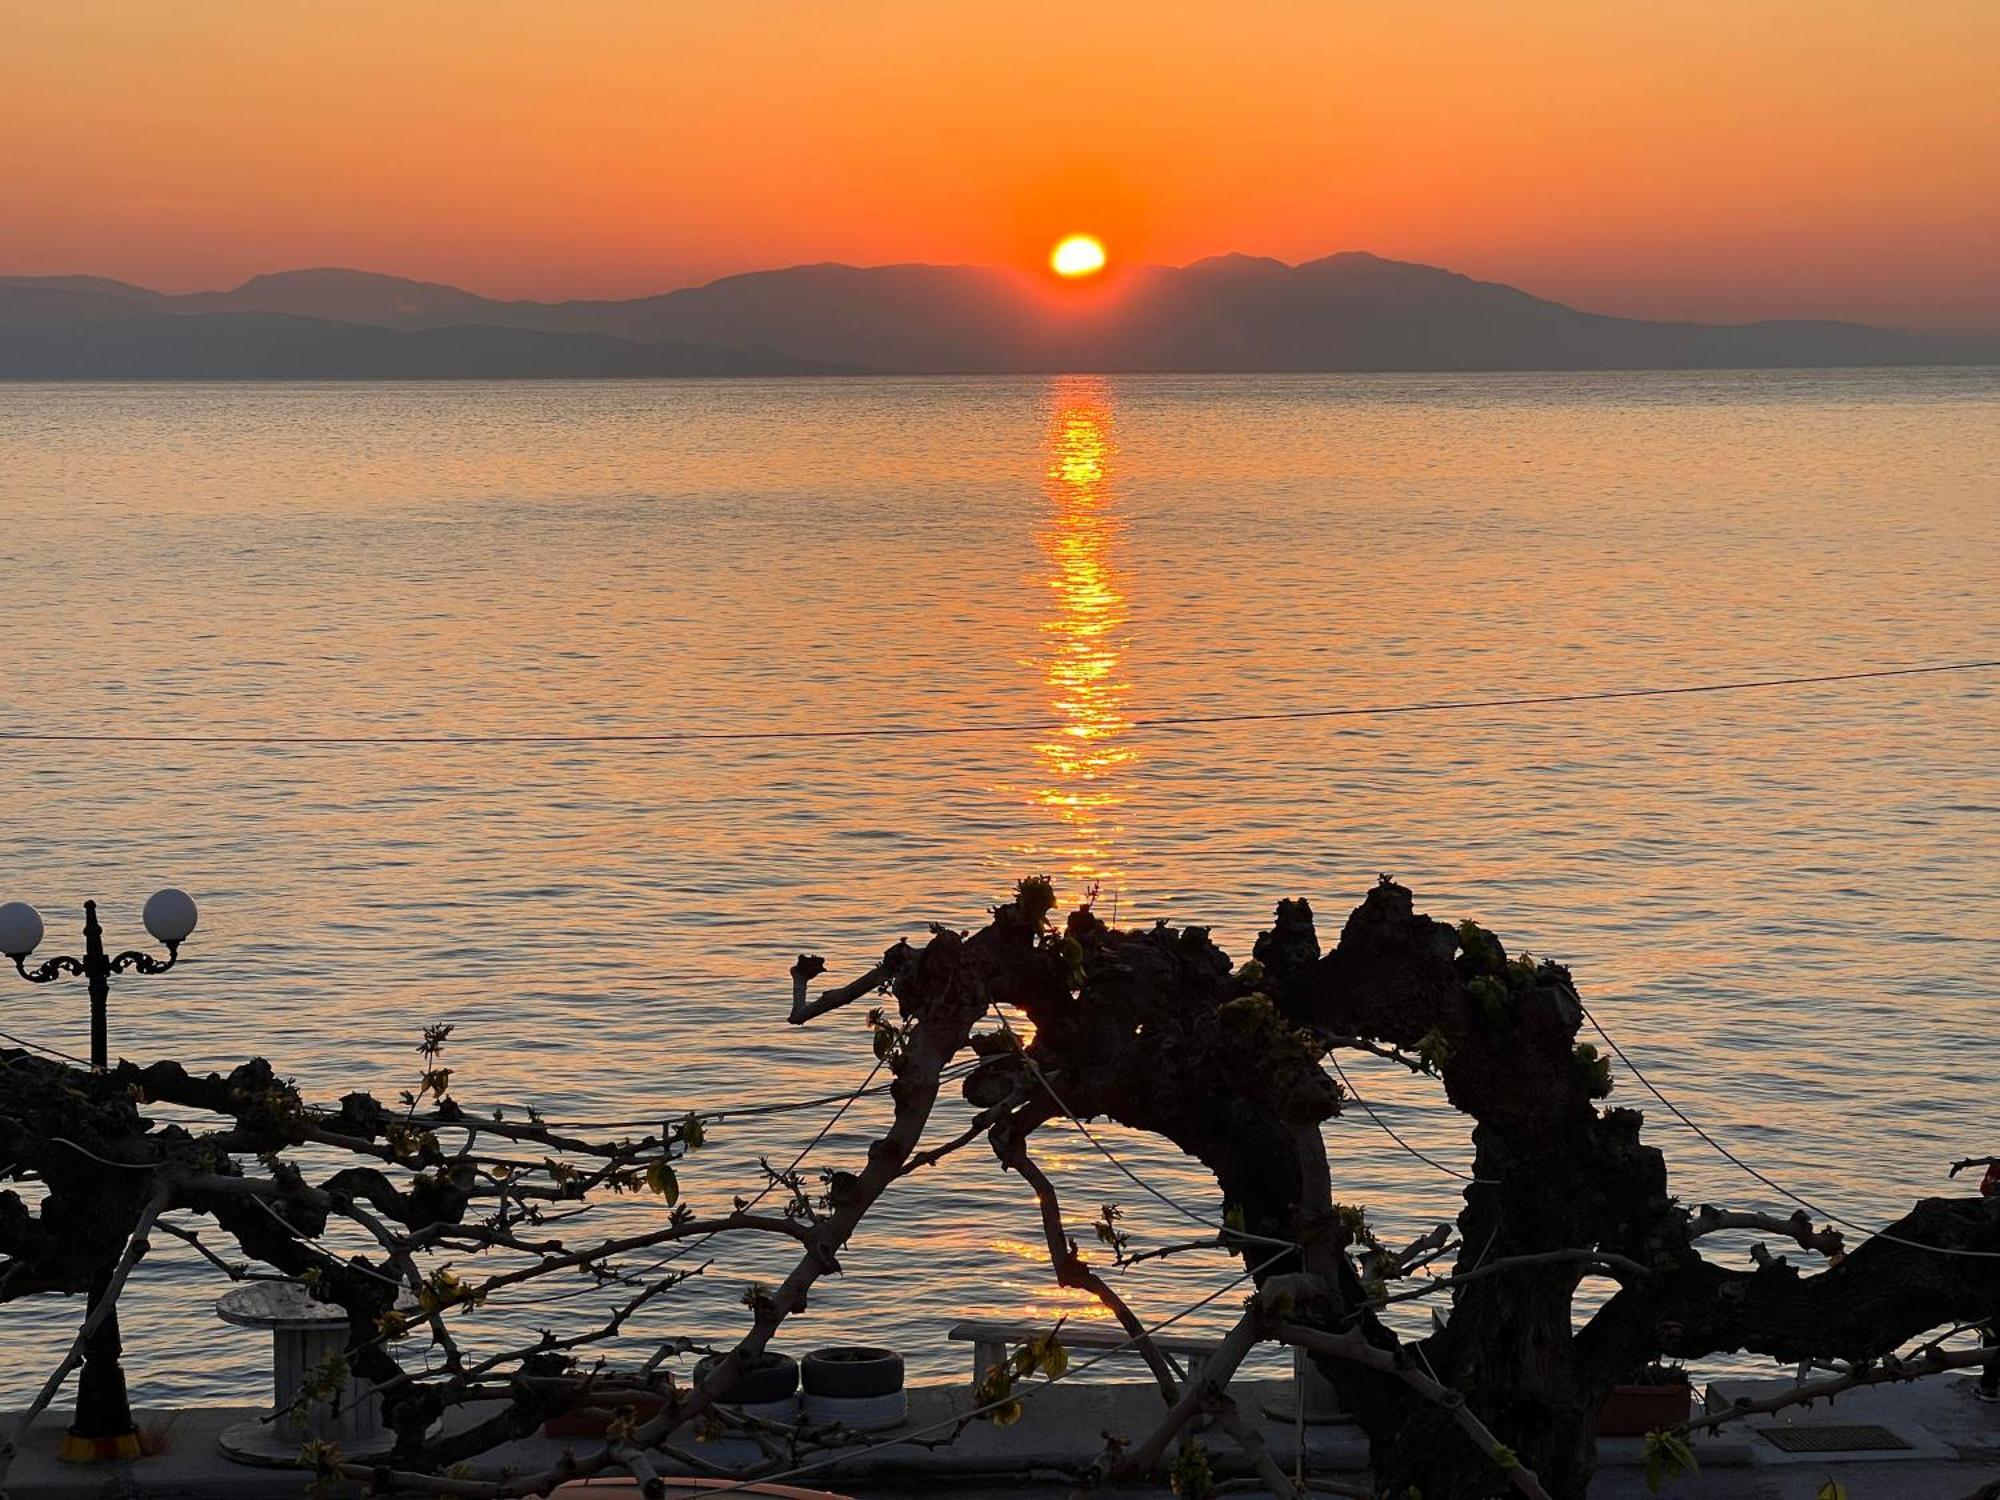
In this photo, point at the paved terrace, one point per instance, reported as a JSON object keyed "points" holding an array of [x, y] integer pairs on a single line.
{"points": [[1953, 1449]]}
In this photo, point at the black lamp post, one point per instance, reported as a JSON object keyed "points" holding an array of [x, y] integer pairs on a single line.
{"points": [[103, 1428]]}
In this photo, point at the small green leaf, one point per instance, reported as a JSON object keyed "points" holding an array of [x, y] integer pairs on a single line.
{"points": [[1191, 1477], [661, 1179], [1668, 1456]]}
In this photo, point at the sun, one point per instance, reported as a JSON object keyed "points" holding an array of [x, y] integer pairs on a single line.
{"points": [[1078, 255]]}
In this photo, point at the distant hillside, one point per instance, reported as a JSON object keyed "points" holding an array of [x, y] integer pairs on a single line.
{"points": [[66, 299], [270, 346], [1351, 311]]}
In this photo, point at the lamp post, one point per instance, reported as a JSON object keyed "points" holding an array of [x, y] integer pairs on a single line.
{"points": [[103, 1428]]}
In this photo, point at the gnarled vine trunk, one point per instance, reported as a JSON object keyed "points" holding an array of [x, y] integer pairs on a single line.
{"points": [[1164, 1035]]}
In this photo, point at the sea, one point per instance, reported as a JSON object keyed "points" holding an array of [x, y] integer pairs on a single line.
{"points": [[568, 714]]}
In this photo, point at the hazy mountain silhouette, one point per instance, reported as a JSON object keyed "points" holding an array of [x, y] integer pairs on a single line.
{"points": [[277, 346], [58, 299], [1351, 311]]}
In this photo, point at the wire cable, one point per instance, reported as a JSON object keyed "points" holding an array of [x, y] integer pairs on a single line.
{"points": [[56, 1052], [746, 1111], [1026, 726], [1137, 1181], [1776, 1187], [1388, 1129]]}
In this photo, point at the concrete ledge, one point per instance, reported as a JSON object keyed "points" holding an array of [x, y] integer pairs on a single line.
{"points": [[1062, 1430], [190, 1467], [1913, 1412]]}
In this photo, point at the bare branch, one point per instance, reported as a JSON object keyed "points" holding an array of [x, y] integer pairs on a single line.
{"points": [[1252, 1443], [1795, 1226], [810, 965], [1216, 1373], [1889, 1371], [1071, 1269]]}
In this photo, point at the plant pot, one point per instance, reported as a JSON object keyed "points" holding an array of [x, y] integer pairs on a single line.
{"points": [[857, 1413], [1631, 1410]]}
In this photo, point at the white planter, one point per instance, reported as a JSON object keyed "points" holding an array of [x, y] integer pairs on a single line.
{"points": [[858, 1413]]}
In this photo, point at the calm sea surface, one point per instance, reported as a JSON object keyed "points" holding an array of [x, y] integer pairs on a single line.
{"points": [[1786, 904]]}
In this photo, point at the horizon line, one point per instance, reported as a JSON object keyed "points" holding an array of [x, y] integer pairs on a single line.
{"points": [[1019, 272]]}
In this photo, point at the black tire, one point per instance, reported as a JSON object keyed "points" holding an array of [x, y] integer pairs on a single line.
{"points": [[851, 1370], [766, 1377]]}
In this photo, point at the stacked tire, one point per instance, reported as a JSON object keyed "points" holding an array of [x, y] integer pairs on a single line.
{"points": [[858, 1387], [767, 1386]]}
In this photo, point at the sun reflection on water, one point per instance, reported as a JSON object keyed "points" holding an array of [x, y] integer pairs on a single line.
{"points": [[1085, 640]]}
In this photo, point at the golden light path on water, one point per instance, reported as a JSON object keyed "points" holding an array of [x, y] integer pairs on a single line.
{"points": [[1083, 667], [1080, 766]]}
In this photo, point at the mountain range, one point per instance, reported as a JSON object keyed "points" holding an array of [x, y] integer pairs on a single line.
{"points": [[1351, 311]]}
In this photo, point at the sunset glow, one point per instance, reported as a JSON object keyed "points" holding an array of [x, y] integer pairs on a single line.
{"points": [[1078, 255], [1659, 162], [1149, 543]]}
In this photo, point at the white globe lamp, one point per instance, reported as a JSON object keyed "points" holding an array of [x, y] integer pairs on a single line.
{"points": [[20, 929], [170, 916]]}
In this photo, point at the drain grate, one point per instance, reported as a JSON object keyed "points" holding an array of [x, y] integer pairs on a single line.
{"points": [[1828, 1438]]}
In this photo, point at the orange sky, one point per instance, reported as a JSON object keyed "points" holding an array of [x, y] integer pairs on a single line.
{"points": [[1720, 160]]}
